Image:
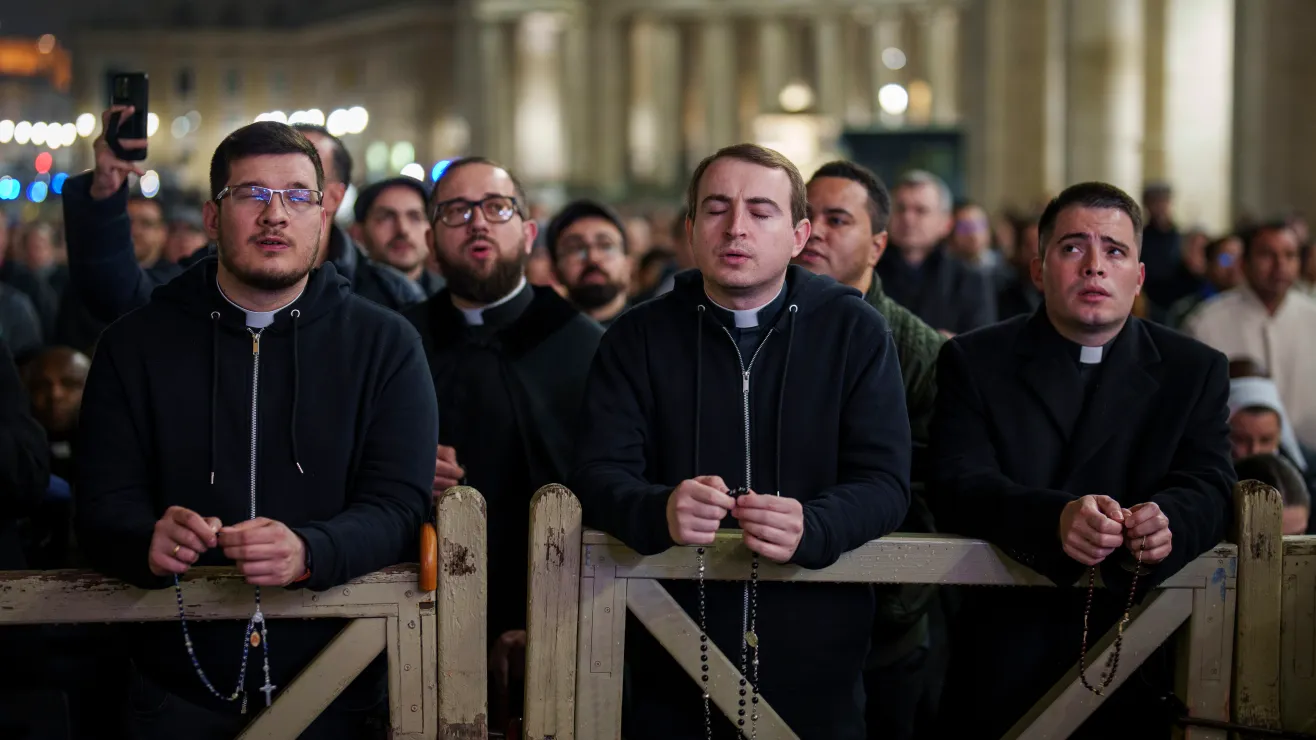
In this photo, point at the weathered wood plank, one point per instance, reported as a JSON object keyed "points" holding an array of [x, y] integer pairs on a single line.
{"points": [[462, 597], [552, 614], [1258, 517], [320, 682], [1298, 665], [1068, 704], [664, 618], [893, 559], [599, 676]]}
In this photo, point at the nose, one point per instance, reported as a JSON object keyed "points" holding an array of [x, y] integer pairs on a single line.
{"points": [[1093, 266], [737, 226], [275, 214]]}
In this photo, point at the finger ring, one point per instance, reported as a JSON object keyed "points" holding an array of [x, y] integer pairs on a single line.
{"points": [[176, 549]]}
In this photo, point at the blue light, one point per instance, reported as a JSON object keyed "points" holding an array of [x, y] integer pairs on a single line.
{"points": [[9, 188], [439, 168], [36, 192], [57, 183]]}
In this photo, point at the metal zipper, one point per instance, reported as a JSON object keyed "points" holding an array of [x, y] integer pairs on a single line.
{"points": [[255, 385], [744, 392]]}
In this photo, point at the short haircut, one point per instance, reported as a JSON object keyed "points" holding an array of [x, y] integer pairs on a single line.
{"points": [[1246, 367], [1278, 473], [522, 203], [1098, 195], [342, 159], [1214, 246], [575, 211], [368, 196], [1251, 235], [257, 139], [761, 156], [879, 200], [919, 178]]}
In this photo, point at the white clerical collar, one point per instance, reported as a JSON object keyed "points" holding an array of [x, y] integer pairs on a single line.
{"points": [[1091, 355], [258, 319], [749, 317], [475, 316]]}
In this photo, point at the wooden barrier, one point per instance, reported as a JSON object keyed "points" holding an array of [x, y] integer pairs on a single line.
{"points": [[429, 636], [577, 618]]}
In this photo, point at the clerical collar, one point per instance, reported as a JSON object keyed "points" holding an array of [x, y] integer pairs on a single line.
{"points": [[1091, 355], [750, 318], [476, 316], [258, 319]]}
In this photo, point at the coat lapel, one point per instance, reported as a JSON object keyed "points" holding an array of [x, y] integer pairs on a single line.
{"points": [[1049, 375], [1125, 384]]}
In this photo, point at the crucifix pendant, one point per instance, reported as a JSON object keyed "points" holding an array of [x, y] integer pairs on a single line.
{"points": [[268, 691]]}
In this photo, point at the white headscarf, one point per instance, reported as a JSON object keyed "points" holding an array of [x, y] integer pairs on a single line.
{"points": [[1245, 393]]}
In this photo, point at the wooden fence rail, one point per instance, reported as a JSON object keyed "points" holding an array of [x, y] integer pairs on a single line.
{"points": [[583, 582], [433, 637]]}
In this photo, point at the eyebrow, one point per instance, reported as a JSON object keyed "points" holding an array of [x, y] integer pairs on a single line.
{"points": [[726, 200], [295, 185], [1106, 239]]}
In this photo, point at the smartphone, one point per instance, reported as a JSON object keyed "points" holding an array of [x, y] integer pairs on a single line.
{"points": [[128, 89]]}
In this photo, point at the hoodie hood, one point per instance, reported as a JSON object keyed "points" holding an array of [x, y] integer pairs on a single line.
{"points": [[197, 292], [805, 290]]}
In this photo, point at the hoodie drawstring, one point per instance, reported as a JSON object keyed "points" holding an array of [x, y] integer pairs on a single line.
{"points": [[296, 386], [781, 397], [214, 385], [699, 373]]}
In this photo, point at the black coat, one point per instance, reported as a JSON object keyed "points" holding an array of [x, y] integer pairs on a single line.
{"points": [[943, 291], [1005, 465], [24, 461], [827, 425], [345, 425]]}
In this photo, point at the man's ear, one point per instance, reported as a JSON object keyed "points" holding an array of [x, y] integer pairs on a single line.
{"points": [[210, 217], [878, 249]]}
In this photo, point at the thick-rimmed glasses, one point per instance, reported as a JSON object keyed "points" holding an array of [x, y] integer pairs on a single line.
{"points": [[296, 200], [497, 209]]}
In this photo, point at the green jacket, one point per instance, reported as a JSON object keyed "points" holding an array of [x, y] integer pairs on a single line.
{"points": [[917, 346]]}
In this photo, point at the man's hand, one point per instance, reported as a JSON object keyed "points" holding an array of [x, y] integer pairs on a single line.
{"points": [[773, 524], [446, 470], [1147, 520], [179, 538], [696, 509], [110, 170], [507, 651], [1091, 528], [266, 551]]}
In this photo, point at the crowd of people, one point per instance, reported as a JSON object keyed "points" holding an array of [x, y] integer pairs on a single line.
{"points": [[815, 363]]}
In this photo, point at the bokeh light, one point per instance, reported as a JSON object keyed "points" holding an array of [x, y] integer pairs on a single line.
{"points": [[414, 171], [439, 168], [150, 184], [36, 192], [152, 124], [6, 131], [86, 124], [22, 132], [893, 99], [57, 183], [44, 161]]}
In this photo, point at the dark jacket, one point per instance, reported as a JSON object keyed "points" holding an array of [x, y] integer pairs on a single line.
{"points": [[510, 392], [106, 275], [44, 299], [24, 461], [946, 293], [20, 327], [827, 425], [1013, 443], [346, 425]]}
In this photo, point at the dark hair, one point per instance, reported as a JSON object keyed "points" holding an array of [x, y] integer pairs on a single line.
{"points": [[1246, 367], [1252, 234], [368, 196], [655, 256], [342, 159], [1088, 195], [573, 212], [1213, 247], [1278, 473], [879, 200], [761, 156], [256, 139], [522, 203]]}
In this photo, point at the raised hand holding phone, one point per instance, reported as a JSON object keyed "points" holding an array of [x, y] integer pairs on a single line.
{"points": [[111, 171]]}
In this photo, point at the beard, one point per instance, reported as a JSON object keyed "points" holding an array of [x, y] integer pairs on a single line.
{"points": [[469, 285], [589, 296], [267, 279]]}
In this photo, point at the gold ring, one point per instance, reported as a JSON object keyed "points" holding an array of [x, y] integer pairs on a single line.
{"points": [[176, 549]]}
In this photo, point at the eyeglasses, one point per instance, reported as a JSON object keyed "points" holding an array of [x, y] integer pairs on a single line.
{"points": [[296, 200], [579, 251], [497, 209]]}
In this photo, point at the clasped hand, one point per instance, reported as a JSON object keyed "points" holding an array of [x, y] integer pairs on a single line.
{"points": [[1093, 527], [266, 552], [773, 525]]}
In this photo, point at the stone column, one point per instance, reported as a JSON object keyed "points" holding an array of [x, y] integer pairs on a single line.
{"points": [[538, 107], [718, 61], [608, 104], [486, 92], [940, 31], [655, 117], [829, 67], [576, 97], [773, 63], [885, 34], [1106, 98]]}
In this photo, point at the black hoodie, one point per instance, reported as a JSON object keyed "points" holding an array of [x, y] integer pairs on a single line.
{"points": [[342, 411], [827, 425]]}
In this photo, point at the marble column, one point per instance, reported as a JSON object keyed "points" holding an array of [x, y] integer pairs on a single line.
{"points": [[884, 34], [940, 48], [576, 98], [608, 104], [655, 100], [718, 62], [488, 92], [538, 116], [1106, 93], [774, 51], [829, 67]]}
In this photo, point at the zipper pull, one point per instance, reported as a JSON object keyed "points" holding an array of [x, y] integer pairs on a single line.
{"points": [[745, 387], [255, 343]]}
